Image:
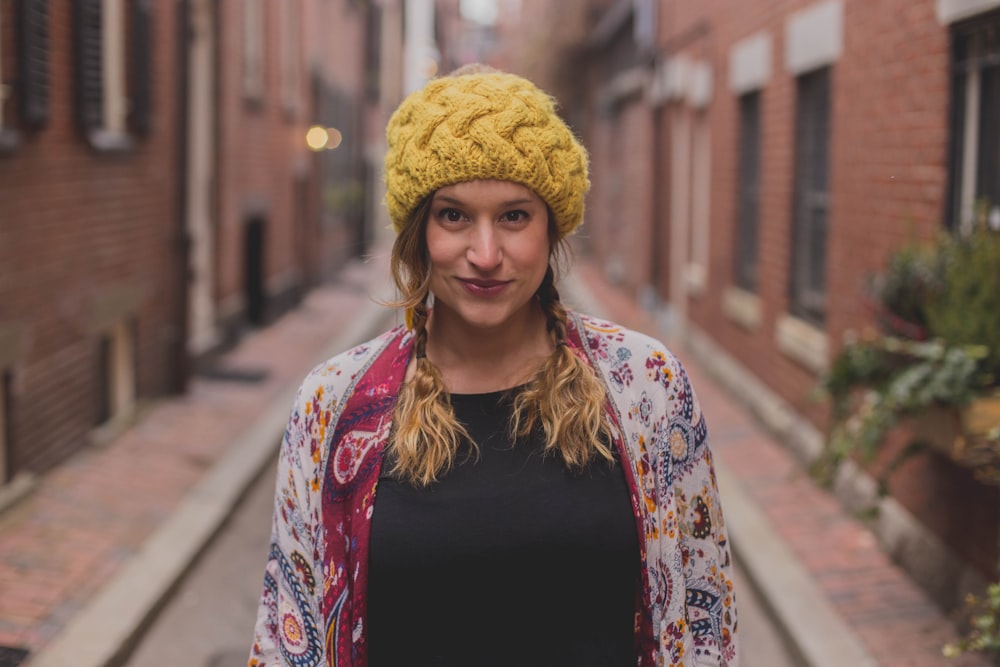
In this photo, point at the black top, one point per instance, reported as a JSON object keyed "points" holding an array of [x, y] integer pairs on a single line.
{"points": [[510, 559]]}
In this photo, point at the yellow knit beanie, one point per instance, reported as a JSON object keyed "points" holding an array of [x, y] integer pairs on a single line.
{"points": [[483, 125]]}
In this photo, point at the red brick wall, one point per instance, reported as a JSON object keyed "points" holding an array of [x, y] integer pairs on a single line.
{"points": [[887, 183], [888, 179], [74, 224], [338, 47], [262, 148], [258, 142], [620, 213]]}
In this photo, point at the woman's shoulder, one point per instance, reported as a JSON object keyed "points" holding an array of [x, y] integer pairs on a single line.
{"points": [[338, 372], [600, 334]]}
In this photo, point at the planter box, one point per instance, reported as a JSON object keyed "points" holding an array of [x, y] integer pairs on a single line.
{"points": [[964, 435]]}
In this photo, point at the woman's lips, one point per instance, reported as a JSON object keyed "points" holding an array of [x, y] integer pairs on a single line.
{"points": [[480, 287]]}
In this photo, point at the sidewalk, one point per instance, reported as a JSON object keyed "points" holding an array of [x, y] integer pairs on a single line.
{"points": [[89, 556], [838, 597], [99, 544]]}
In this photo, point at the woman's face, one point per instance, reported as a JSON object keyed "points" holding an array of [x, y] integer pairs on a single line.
{"points": [[488, 243]]}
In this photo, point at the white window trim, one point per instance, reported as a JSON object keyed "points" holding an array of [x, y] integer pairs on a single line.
{"points": [[700, 85], [122, 370], [121, 376], [951, 11], [970, 151], [742, 307], [803, 343], [696, 274], [675, 78], [113, 66], [968, 176], [121, 390], [750, 63], [814, 37]]}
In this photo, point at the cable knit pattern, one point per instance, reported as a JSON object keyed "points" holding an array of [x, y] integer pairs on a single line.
{"points": [[483, 126]]}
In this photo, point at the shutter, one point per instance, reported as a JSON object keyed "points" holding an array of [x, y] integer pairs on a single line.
{"points": [[89, 84], [140, 84], [33, 61]]}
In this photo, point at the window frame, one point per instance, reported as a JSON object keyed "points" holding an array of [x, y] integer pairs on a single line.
{"points": [[8, 138], [253, 50], [290, 21], [112, 71], [811, 195], [117, 382], [746, 255], [5, 89], [974, 173]]}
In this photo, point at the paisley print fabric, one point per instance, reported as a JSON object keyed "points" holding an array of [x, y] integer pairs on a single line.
{"points": [[312, 609]]}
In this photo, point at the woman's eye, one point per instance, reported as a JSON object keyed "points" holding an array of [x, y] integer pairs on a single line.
{"points": [[451, 215], [515, 216]]}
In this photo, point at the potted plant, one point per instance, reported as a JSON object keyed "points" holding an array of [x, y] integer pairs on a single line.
{"points": [[934, 364], [936, 356]]}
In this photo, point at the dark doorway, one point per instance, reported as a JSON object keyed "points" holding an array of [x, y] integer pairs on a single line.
{"points": [[253, 270]]}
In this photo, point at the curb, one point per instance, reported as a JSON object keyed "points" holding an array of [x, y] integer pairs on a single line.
{"points": [[106, 628], [800, 610]]}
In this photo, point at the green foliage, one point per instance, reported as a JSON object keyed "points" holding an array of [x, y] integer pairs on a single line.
{"points": [[965, 307], [909, 282], [949, 292], [984, 625], [896, 378]]}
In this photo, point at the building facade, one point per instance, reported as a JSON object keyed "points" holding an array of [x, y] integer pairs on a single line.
{"points": [[90, 242], [755, 163], [160, 193]]}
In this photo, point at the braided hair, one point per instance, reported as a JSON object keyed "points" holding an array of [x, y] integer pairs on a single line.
{"points": [[564, 398]]}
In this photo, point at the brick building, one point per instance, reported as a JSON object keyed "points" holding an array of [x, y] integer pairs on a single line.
{"points": [[89, 224], [283, 216], [158, 192], [755, 162]]}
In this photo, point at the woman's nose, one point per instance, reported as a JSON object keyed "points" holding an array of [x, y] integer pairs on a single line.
{"points": [[484, 248]]}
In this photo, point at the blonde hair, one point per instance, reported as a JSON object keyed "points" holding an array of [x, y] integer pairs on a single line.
{"points": [[564, 398]]}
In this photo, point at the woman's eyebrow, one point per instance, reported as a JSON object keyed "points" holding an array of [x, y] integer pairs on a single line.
{"points": [[458, 202]]}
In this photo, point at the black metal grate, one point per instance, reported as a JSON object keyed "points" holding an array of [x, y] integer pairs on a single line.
{"points": [[12, 656], [232, 374]]}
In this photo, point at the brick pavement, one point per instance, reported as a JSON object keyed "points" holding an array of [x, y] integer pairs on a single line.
{"points": [[895, 621], [88, 517]]}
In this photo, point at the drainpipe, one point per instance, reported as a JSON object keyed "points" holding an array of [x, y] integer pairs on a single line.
{"points": [[181, 366]]}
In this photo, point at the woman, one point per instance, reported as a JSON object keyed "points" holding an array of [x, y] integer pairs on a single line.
{"points": [[499, 481]]}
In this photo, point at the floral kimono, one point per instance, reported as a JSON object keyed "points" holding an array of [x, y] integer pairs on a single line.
{"points": [[313, 606]]}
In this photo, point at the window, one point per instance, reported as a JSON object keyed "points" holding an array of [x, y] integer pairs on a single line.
{"points": [[748, 192], [24, 67], [373, 52], [696, 273], [291, 38], [253, 49], [974, 193], [113, 67], [5, 88], [810, 198]]}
